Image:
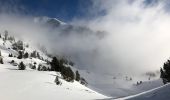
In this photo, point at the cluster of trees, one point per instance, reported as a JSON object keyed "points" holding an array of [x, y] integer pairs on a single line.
{"points": [[7, 37], [43, 67], [67, 74], [35, 54], [59, 65], [165, 72], [21, 54], [10, 55], [18, 45]]}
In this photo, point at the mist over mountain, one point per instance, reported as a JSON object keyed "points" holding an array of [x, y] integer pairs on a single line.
{"points": [[116, 47]]}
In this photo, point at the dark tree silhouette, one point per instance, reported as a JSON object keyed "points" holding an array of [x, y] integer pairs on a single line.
{"points": [[77, 76], [165, 72], [10, 55], [21, 66], [1, 60], [20, 55], [67, 74], [34, 54], [57, 81], [55, 65], [26, 55], [6, 34]]}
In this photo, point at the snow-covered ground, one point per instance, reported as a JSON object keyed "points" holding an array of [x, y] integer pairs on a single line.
{"points": [[31, 84], [117, 85], [159, 93], [39, 85]]}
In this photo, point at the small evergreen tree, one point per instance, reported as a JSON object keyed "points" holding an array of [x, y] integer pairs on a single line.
{"points": [[57, 81], [1, 60], [26, 55], [55, 65], [39, 67], [12, 61], [83, 81], [10, 55], [21, 66], [34, 54], [38, 55], [20, 55], [20, 45], [6, 34], [77, 76]]}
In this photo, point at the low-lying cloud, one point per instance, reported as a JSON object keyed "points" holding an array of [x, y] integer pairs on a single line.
{"points": [[136, 37]]}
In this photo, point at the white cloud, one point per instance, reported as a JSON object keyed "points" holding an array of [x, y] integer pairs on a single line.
{"points": [[137, 37]]}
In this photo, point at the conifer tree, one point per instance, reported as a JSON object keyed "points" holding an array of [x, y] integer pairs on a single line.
{"points": [[165, 72], [26, 55], [20, 55], [57, 81], [1, 60], [6, 34], [10, 55], [0, 53], [67, 74], [21, 66], [34, 54], [55, 66], [77, 76]]}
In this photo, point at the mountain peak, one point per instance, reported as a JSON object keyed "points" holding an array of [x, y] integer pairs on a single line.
{"points": [[48, 20]]}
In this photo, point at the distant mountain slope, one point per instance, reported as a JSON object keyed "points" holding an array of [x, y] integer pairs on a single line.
{"points": [[67, 29], [52, 21], [160, 93], [31, 84]]}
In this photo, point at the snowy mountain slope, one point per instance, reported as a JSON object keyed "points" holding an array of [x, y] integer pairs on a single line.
{"points": [[31, 84], [119, 87], [111, 85], [45, 19], [35, 85], [160, 93]]}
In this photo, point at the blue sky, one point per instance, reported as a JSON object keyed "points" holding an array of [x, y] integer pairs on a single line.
{"points": [[63, 9]]}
